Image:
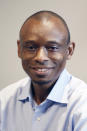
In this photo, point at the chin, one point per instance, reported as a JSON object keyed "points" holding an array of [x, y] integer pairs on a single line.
{"points": [[42, 82]]}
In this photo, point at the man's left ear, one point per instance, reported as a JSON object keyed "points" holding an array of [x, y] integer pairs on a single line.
{"points": [[70, 50]]}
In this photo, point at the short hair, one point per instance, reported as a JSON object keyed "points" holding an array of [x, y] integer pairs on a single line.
{"points": [[38, 14]]}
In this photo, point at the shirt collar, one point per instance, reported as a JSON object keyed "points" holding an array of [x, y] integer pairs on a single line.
{"points": [[25, 91], [59, 91], [57, 94]]}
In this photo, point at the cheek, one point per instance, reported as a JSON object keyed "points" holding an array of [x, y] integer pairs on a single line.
{"points": [[25, 64], [26, 56], [60, 60], [58, 57]]}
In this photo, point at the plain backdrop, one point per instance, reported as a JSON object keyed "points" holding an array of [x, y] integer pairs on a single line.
{"points": [[12, 15]]}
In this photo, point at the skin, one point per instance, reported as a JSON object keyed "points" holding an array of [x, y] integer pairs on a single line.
{"points": [[43, 51]]}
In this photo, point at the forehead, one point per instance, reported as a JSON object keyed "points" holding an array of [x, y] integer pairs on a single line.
{"points": [[48, 27]]}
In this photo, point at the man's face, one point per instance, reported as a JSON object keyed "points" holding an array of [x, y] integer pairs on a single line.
{"points": [[43, 49]]}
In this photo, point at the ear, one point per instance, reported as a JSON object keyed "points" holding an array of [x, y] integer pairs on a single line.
{"points": [[19, 48], [70, 49]]}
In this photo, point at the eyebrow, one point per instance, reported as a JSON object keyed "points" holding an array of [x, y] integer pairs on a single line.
{"points": [[29, 42], [53, 42]]}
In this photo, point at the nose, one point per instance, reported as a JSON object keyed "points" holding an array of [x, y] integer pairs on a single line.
{"points": [[41, 55]]}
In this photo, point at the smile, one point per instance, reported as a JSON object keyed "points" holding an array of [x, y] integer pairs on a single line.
{"points": [[41, 71]]}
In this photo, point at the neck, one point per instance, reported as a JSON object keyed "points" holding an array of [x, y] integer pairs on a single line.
{"points": [[41, 91]]}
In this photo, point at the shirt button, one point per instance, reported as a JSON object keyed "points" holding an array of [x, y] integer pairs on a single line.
{"points": [[38, 118]]}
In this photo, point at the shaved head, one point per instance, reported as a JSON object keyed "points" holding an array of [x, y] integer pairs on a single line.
{"points": [[47, 15]]}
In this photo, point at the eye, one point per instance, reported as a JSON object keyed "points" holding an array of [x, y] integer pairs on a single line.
{"points": [[30, 48], [52, 48]]}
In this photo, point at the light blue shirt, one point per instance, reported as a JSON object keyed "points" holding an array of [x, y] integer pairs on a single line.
{"points": [[65, 108]]}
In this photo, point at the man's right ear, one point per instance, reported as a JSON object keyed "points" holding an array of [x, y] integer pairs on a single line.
{"points": [[19, 48]]}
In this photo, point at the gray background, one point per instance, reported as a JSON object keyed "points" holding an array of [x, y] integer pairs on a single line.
{"points": [[12, 15]]}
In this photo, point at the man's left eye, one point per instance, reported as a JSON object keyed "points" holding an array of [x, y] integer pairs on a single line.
{"points": [[53, 48]]}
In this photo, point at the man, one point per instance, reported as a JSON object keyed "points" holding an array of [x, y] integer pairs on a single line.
{"points": [[50, 99]]}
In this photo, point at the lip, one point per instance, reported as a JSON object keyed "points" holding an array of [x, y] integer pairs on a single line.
{"points": [[42, 71]]}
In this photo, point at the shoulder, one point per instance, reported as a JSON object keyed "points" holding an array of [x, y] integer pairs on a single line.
{"points": [[10, 90], [78, 102], [77, 84], [77, 92]]}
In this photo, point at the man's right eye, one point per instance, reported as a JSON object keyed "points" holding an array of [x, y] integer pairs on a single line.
{"points": [[30, 48]]}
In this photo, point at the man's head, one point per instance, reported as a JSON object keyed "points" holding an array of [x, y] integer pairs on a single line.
{"points": [[44, 46]]}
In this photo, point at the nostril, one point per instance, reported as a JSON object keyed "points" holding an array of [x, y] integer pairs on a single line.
{"points": [[41, 59], [42, 62]]}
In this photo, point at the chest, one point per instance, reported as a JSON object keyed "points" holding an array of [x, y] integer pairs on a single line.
{"points": [[22, 117]]}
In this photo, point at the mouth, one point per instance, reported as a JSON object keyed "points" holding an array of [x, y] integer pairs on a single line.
{"points": [[42, 71]]}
